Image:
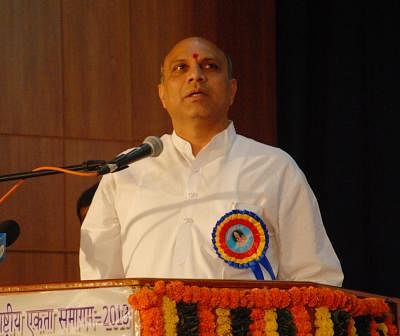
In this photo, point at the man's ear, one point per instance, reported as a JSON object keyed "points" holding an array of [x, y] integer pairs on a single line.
{"points": [[161, 94], [233, 89]]}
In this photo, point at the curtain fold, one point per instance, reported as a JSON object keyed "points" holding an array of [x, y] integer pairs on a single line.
{"points": [[338, 99]]}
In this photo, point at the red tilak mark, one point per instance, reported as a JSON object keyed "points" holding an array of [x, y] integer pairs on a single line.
{"points": [[195, 55]]}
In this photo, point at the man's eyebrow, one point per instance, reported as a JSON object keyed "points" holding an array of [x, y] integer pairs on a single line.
{"points": [[206, 59], [177, 60]]}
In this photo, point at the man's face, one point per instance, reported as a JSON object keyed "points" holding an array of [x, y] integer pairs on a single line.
{"points": [[195, 83]]}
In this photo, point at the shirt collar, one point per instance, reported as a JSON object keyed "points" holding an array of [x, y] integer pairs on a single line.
{"points": [[219, 145]]}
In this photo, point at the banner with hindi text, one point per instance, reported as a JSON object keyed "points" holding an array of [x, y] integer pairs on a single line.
{"points": [[94, 311]]}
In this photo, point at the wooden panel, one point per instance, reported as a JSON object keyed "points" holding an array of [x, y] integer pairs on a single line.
{"points": [[148, 39], [30, 67], [100, 64], [76, 152], [247, 32], [156, 26], [97, 69], [72, 267], [38, 205], [30, 268]]}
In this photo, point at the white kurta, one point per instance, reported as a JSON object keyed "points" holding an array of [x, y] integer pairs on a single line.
{"points": [[155, 219]]}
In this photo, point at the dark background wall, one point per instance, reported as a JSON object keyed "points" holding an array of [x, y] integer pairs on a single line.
{"points": [[338, 101], [78, 81]]}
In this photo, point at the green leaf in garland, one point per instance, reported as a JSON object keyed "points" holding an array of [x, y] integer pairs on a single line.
{"points": [[340, 320], [240, 321], [188, 324], [286, 325], [362, 324]]}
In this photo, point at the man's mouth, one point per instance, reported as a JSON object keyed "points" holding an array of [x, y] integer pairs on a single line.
{"points": [[197, 93]]}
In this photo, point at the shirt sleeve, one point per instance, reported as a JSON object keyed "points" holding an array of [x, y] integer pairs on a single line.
{"points": [[100, 255], [306, 253]]}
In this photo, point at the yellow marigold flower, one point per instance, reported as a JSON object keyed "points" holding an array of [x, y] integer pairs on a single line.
{"points": [[383, 327], [170, 316]]}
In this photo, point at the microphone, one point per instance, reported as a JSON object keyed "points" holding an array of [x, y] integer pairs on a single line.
{"points": [[11, 229], [151, 146], [9, 232]]}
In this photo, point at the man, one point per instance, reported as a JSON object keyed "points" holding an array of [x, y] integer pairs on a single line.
{"points": [[173, 216], [84, 201]]}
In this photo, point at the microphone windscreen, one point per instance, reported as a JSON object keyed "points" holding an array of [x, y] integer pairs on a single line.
{"points": [[11, 229], [155, 144]]}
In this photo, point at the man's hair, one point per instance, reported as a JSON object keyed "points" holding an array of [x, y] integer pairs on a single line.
{"points": [[85, 199]]}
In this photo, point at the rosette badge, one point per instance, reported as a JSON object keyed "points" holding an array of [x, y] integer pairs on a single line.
{"points": [[240, 238]]}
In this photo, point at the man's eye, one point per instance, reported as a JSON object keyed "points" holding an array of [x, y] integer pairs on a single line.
{"points": [[211, 66], [179, 67]]}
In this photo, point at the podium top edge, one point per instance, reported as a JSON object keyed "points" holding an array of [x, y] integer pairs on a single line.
{"points": [[140, 282]]}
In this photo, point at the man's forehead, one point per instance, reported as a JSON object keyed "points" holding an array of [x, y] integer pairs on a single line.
{"points": [[193, 48]]}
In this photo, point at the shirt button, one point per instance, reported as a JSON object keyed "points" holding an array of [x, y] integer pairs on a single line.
{"points": [[192, 195], [195, 170], [188, 220]]}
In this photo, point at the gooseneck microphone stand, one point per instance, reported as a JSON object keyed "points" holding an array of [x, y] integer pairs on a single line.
{"points": [[87, 166]]}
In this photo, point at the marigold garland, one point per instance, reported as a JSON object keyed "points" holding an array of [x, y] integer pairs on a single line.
{"points": [[285, 323], [323, 322], [266, 311], [392, 329], [207, 321], [341, 321], [170, 315], [257, 324], [351, 327], [271, 324], [240, 321], [223, 322], [382, 327], [301, 319]]}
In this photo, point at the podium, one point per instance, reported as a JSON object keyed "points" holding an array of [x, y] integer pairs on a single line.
{"points": [[207, 307]]}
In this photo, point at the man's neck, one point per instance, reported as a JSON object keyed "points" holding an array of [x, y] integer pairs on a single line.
{"points": [[199, 134]]}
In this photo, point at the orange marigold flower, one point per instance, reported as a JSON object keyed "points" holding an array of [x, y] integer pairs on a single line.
{"points": [[373, 328], [296, 296], [258, 297], [205, 296], [341, 299], [144, 298], [302, 321], [376, 306], [235, 298], [196, 294], [175, 290], [152, 322], [313, 297], [215, 297], [279, 298], [159, 287], [225, 298], [244, 299], [257, 325], [207, 321], [327, 298], [187, 294]]}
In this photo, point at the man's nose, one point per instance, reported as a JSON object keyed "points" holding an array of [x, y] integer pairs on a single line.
{"points": [[196, 74]]}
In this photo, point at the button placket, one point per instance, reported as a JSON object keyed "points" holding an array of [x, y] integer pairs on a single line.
{"points": [[184, 237]]}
